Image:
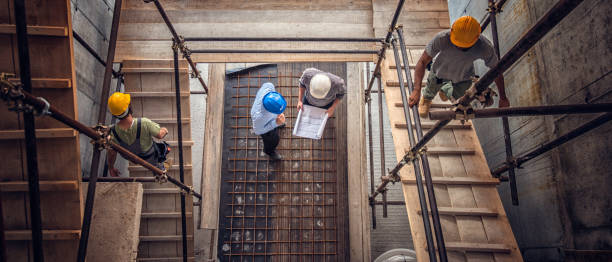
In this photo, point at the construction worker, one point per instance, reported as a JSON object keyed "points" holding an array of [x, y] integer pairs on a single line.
{"points": [[320, 89], [454, 52], [134, 134], [268, 118]]}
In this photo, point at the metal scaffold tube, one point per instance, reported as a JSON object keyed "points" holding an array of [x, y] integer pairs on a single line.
{"points": [[102, 113], [433, 203], [40, 105], [523, 111], [30, 132], [282, 39], [177, 87], [371, 149], [281, 51], [517, 162]]}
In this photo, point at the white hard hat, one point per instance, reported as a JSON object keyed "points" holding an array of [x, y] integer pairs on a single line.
{"points": [[319, 86]]}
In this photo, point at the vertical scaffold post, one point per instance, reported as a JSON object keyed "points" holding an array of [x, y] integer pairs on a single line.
{"points": [[30, 131], [177, 84], [371, 150]]}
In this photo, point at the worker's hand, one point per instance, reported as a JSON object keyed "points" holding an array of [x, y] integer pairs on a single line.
{"points": [[330, 111], [280, 119], [503, 102], [414, 98], [114, 172], [300, 105]]}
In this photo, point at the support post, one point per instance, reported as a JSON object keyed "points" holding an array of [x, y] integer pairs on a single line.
{"points": [[371, 149], [30, 132], [95, 159], [177, 87], [415, 162], [493, 9]]}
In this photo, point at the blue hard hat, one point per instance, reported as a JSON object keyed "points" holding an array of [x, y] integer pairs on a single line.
{"points": [[274, 102]]}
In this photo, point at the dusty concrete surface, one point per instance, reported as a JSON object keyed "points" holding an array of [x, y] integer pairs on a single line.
{"points": [[115, 222]]}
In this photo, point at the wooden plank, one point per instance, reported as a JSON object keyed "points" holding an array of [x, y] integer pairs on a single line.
{"points": [[178, 259], [458, 211], [428, 125], [36, 30], [20, 235], [358, 209], [184, 121], [47, 82], [143, 169], [391, 83], [433, 105], [153, 70], [163, 238], [440, 150], [45, 186], [175, 143], [40, 133], [477, 247], [213, 148], [459, 181], [156, 94], [164, 215], [162, 191]]}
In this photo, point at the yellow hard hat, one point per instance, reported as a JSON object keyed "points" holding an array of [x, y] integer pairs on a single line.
{"points": [[118, 104], [465, 32]]}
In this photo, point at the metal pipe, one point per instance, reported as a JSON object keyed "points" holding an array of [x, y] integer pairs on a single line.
{"points": [[371, 149], [525, 111], [177, 87], [178, 39], [487, 18], [435, 217], [529, 39], [383, 49], [285, 51], [600, 120], [120, 80], [41, 105], [384, 201], [493, 9], [29, 130], [384, 179], [95, 159], [2, 239], [283, 39], [91, 51], [123, 179]]}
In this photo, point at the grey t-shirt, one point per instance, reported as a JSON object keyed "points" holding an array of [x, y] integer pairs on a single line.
{"points": [[454, 64], [337, 89]]}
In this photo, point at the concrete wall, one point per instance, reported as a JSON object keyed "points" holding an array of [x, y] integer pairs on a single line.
{"points": [[91, 19], [564, 194]]}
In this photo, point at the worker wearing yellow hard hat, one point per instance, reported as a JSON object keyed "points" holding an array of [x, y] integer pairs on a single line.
{"points": [[135, 134], [450, 57]]}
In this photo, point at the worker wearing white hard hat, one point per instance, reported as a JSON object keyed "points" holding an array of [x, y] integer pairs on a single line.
{"points": [[320, 89]]}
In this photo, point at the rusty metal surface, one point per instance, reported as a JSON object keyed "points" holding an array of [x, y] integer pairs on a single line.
{"points": [[283, 211]]}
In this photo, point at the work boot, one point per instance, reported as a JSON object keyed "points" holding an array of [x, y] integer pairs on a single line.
{"points": [[443, 96], [275, 156], [424, 107]]}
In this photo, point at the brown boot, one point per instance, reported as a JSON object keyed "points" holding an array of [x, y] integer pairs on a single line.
{"points": [[424, 107], [443, 96]]}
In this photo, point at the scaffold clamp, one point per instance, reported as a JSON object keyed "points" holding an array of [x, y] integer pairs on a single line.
{"points": [[103, 142], [161, 178]]}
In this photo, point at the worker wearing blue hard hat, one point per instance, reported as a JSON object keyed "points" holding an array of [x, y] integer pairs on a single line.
{"points": [[267, 116]]}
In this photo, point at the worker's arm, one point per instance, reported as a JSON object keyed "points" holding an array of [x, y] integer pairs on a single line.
{"points": [[111, 156], [419, 72], [332, 108], [300, 97], [503, 100], [162, 133]]}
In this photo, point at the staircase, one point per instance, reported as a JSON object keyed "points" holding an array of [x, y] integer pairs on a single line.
{"points": [[151, 85]]}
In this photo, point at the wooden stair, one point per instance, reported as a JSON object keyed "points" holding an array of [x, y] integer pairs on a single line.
{"points": [[151, 85], [474, 222], [59, 169]]}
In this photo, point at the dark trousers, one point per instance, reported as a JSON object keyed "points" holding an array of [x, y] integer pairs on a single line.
{"points": [[305, 102], [270, 141]]}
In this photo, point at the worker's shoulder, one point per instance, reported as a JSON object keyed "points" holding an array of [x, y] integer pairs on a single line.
{"points": [[146, 121], [442, 35]]}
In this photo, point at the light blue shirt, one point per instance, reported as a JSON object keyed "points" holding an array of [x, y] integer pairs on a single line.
{"points": [[263, 121]]}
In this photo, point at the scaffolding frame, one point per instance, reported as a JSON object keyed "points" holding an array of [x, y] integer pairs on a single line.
{"points": [[21, 97]]}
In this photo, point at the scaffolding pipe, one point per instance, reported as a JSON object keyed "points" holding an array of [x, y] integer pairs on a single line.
{"points": [[120, 80], [30, 131], [102, 113], [280, 51], [123, 179], [2, 240], [539, 30], [433, 203], [517, 162], [52, 111], [524, 111], [371, 149], [385, 45], [493, 9], [91, 51], [282, 39], [177, 39]]}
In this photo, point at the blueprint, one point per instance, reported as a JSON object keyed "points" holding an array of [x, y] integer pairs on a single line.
{"points": [[310, 122]]}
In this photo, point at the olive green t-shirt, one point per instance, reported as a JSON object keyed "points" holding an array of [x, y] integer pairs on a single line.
{"points": [[148, 129]]}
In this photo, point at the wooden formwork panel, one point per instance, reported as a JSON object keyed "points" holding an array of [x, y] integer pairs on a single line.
{"points": [[52, 71], [473, 220], [151, 84]]}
